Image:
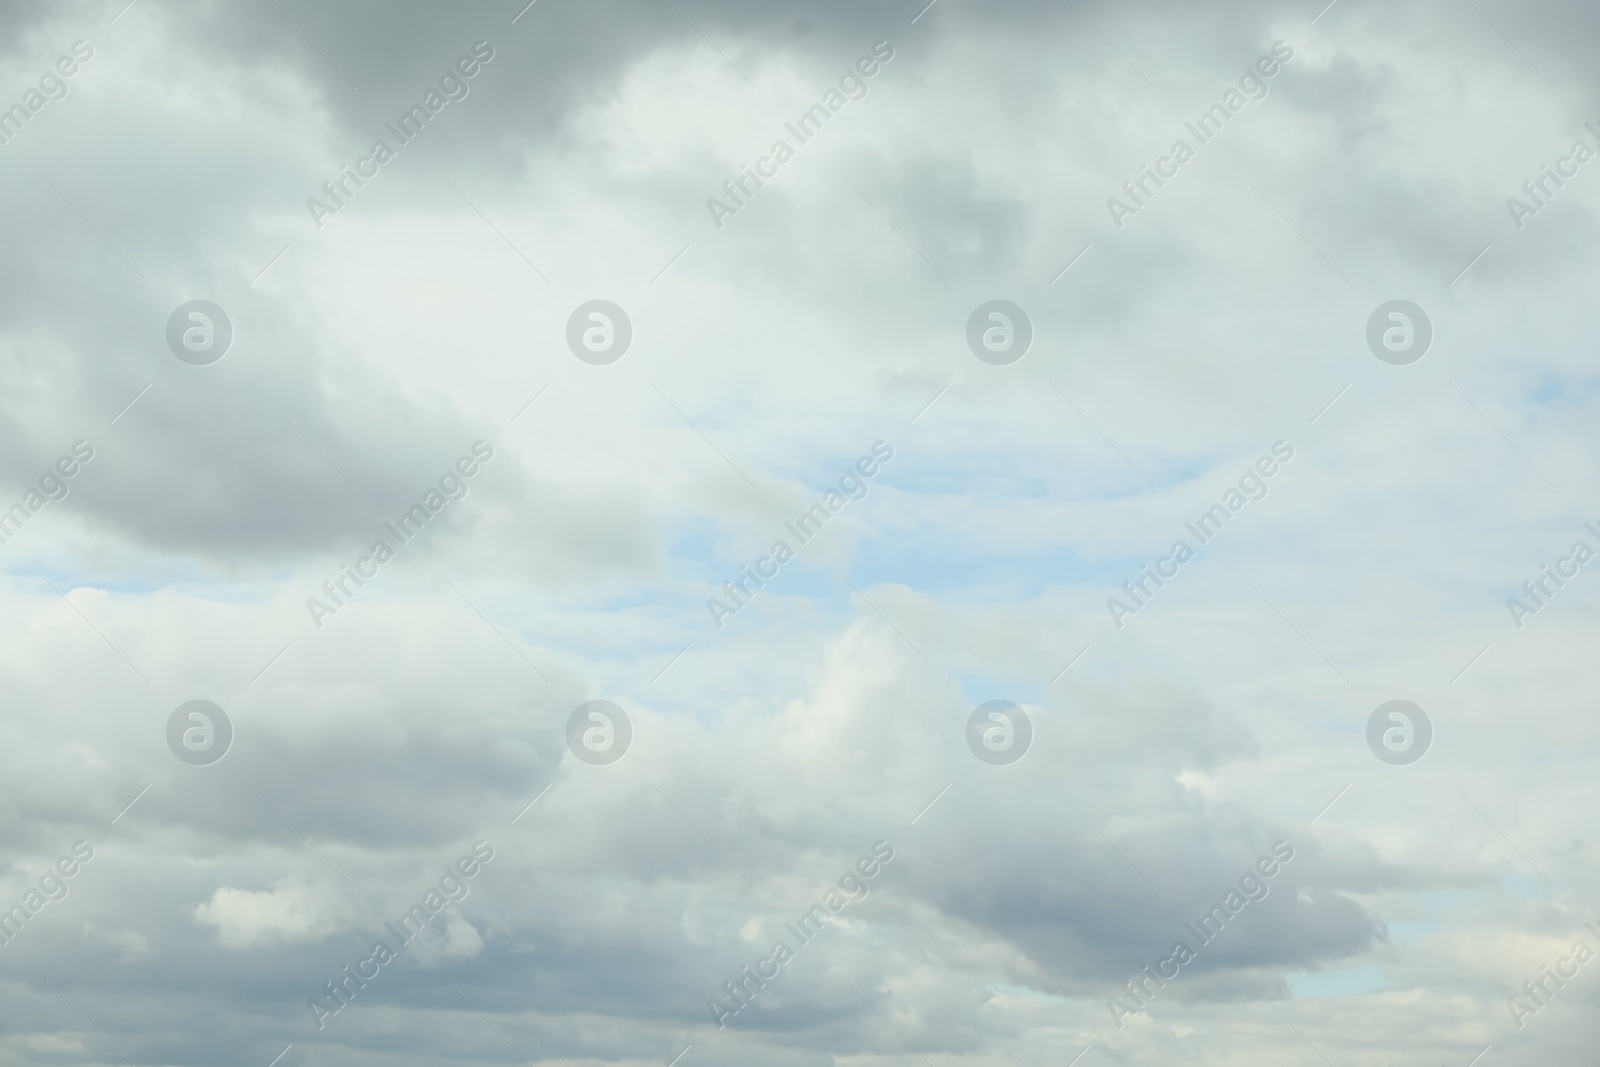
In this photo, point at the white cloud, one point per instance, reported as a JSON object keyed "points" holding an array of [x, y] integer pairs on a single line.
{"points": [[292, 911]]}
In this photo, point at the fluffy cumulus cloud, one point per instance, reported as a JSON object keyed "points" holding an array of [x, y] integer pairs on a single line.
{"points": [[292, 910], [524, 538]]}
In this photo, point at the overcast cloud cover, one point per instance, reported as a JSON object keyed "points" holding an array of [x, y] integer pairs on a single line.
{"points": [[186, 520]]}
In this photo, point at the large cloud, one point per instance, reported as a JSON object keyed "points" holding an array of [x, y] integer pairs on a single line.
{"points": [[375, 746]]}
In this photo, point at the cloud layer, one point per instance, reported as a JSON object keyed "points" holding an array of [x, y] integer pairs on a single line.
{"points": [[400, 316]]}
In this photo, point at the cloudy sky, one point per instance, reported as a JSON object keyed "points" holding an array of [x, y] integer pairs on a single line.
{"points": [[1350, 320]]}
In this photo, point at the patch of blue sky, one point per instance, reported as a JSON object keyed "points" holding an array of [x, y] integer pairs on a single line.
{"points": [[1412, 931], [179, 576], [1006, 476], [1525, 883], [1344, 982], [1554, 388], [1070, 477], [699, 548], [979, 686], [941, 561]]}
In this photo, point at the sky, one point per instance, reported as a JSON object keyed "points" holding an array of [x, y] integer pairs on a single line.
{"points": [[1083, 559]]}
